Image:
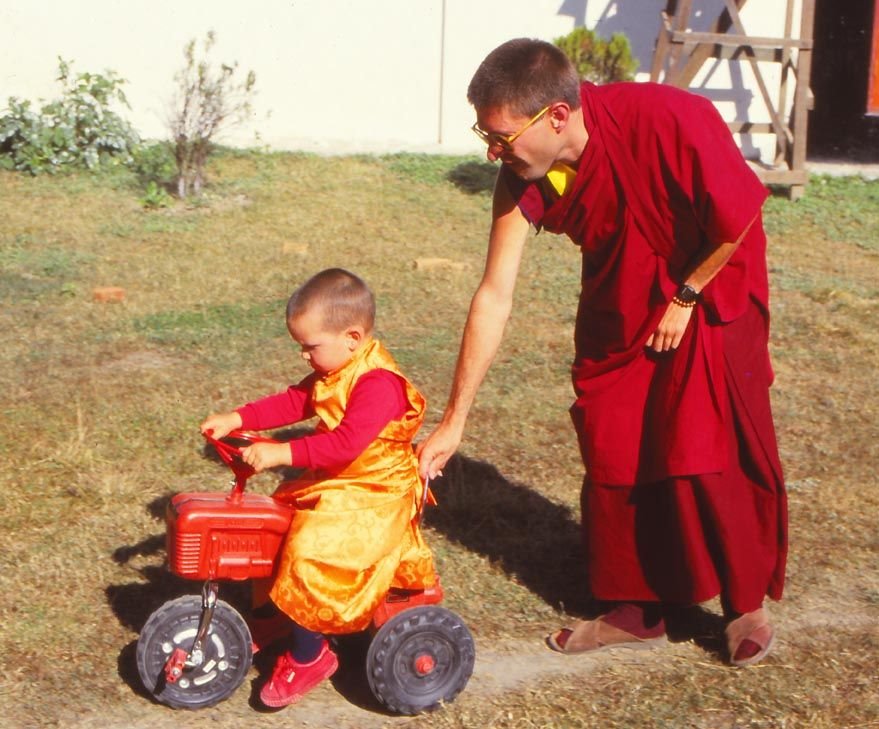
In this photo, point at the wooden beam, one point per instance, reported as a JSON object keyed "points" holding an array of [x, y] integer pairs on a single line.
{"points": [[725, 39], [799, 121], [748, 127], [735, 53], [684, 77], [782, 177]]}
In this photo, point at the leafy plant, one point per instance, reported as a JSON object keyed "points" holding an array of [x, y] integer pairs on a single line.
{"points": [[597, 59], [155, 197], [78, 130], [208, 99], [154, 162]]}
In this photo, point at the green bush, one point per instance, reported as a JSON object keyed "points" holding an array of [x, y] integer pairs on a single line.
{"points": [[155, 197], [79, 130], [597, 59], [154, 162]]}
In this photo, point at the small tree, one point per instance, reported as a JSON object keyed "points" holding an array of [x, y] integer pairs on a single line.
{"points": [[597, 59], [208, 99]]}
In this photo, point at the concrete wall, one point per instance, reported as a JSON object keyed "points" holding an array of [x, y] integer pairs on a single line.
{"points": [[333, 76]]}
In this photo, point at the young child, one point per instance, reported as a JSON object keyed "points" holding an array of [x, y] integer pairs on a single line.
{"points": [[354, 533]]}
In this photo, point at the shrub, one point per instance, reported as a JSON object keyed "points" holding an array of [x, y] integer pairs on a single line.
{"points": [[155, 197], [78, 130], [208, 99], [154, 162], [597, 59]]}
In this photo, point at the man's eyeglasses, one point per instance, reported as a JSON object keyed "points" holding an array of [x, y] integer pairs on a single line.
{"points": [[505, 141]]}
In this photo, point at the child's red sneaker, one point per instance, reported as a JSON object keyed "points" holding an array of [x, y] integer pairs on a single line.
{"points": [[290, 680]]}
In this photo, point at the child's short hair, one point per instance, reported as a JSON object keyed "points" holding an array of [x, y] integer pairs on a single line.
{"points": [[343, 298]]}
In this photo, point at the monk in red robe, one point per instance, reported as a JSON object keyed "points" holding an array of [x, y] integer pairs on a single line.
{"points": [[683, 498]]}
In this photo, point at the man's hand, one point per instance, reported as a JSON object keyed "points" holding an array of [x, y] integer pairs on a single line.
{"points": [[435, 452], [261, 456], [671, 328]]}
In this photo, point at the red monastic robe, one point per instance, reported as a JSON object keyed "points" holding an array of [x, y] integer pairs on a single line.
{"points": [[684, 497]]}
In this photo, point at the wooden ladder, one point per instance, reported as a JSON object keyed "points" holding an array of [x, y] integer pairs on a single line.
{"points": [[680, 52]]}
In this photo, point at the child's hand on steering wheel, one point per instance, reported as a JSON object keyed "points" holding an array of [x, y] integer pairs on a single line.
{"points": [[260, 456], [221, 424]]}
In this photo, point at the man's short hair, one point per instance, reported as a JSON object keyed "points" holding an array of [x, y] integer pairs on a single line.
{"points": [[343, 299], [524, 75]]}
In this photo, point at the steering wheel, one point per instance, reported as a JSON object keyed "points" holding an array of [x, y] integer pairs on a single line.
{"points": [[230, 452]]}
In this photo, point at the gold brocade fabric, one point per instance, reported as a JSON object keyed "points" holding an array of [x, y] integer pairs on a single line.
{"points": [[354, 535]]}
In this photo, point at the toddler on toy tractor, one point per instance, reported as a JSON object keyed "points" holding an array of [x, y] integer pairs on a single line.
{"points": [[337, 550]]}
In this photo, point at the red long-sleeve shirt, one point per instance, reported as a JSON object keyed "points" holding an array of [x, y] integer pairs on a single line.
{"points": [[378, 398]]}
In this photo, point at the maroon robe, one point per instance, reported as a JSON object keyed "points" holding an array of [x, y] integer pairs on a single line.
{"points": [[684, 497]]}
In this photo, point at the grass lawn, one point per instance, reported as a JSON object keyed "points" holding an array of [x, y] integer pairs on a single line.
{"points": [[101, 403]]}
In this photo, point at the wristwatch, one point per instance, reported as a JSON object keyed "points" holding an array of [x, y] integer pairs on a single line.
{"points": [[686, 296]]}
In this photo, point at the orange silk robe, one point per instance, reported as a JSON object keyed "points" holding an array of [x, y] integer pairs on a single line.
{"points": [[354, 535]]}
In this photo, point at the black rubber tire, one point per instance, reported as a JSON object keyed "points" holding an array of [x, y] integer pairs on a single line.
{"points": [[228, 649], [430, 631]]}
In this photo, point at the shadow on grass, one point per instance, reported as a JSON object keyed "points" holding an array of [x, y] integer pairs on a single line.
{"points": [[530, 537], [134, 602], [534, 540], [473, 177], [539, 543], [349, 680]]}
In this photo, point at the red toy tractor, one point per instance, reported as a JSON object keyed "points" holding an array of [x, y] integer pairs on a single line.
{"points": [[194, 651]]}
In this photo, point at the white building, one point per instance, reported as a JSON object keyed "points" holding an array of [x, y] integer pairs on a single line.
{"points": [[337, 76]]}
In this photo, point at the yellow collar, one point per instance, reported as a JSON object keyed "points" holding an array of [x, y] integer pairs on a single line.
{"points": [[560, 177]]}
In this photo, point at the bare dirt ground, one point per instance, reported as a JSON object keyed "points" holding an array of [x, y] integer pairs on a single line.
{"points": [[513, 666]]}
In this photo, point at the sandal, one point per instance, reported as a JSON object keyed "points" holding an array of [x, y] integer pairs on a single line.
{"points": [[597, 635], [749, 638]]}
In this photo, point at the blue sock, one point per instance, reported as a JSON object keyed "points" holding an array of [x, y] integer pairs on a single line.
{"points": [[305, 644]]}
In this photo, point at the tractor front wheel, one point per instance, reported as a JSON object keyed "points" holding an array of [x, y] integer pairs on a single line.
{"points": [[167, 637]]}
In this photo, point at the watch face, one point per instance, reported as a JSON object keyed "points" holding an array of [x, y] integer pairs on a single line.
{"points": [[687, 294]]}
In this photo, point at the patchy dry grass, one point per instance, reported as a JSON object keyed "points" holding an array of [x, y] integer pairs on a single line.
{"points": [[101, 403]]}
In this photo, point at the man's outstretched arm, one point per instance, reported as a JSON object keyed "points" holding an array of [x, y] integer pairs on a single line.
{"points": [[489, 311]]}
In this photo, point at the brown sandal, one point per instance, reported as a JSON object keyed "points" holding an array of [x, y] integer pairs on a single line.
{"points": [[749, 638], [597, 635]]}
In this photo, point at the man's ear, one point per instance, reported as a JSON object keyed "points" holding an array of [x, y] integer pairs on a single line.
{"points": [[559, 114]]}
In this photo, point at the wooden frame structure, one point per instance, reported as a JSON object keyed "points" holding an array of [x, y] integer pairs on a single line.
{"points": [[680, 52]]}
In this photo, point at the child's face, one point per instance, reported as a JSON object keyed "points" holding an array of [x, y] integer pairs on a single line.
{"points": [[325, 351]]}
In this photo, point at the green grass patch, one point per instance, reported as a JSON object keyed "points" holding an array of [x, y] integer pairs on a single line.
{"points": [[839, 209], [102, 404], [216, 324]]}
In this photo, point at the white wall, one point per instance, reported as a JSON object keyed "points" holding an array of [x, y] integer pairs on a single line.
{"points": [[332, 75]]}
